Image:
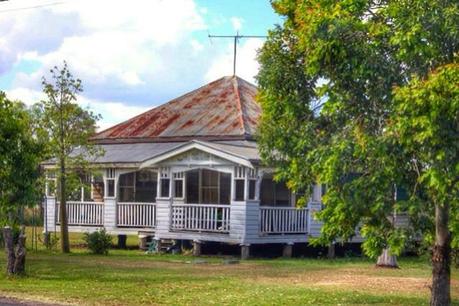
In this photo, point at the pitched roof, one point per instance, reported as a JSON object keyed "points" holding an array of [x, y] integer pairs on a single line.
{"points": [[137, 153], [225, 109]]}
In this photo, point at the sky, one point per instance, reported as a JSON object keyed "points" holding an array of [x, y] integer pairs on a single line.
{"points": [[130, 55]]}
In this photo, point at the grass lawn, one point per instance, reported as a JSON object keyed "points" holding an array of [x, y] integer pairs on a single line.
{"points": [[130, 277]]}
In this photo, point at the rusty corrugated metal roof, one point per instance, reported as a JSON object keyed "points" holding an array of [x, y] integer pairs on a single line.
{"points": [[221, 110]]}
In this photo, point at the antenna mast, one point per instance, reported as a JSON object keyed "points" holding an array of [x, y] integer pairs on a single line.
{"points": [[236, 40]]}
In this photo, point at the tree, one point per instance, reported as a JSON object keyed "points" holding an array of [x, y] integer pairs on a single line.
{"points": [[426, 124], [20, 154], [69, 128], [327, 83]]}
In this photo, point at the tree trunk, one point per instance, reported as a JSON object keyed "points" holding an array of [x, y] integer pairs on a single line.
{"points": [[331, 251], [20, 254], [387, 260], [65, 244], [441, 259], [9, 248]]}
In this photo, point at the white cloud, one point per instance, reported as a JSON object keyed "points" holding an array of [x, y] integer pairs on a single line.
{"points": [[112, 112], [237, 23], [246, 64], [26, 95], [140, 53]]}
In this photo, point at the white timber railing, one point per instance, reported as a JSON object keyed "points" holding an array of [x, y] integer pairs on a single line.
{"points": [[136, 214], [283, 220], [201, 218], [83, 213]]}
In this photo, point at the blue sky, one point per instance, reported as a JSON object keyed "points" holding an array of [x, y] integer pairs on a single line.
{"points": [[131, 56]]}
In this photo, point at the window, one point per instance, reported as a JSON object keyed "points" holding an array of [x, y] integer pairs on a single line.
{"points": [[110, 173], [178, 184], [165, 182], [252, 186], [239, 194]]}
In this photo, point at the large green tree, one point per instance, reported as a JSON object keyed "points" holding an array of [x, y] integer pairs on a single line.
{"points": [[68, 128], [20, 154], [330, 112]]}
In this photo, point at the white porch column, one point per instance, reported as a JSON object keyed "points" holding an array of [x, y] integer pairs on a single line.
{"points": [[163, 205], [110, 201], [50, 214], [244, 220], [244, 215]]}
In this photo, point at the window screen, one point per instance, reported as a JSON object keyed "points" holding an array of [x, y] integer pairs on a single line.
{"points": [[165, 188], [239, 185]]}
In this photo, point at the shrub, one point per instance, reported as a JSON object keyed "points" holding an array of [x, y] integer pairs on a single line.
{"points": [[98, 242]]}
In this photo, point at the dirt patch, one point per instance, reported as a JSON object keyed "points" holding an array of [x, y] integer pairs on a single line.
{"points": [[10, 301], [359, 280]]}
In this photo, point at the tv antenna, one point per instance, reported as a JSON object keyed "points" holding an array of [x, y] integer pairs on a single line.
{"points": [[236, 40]]}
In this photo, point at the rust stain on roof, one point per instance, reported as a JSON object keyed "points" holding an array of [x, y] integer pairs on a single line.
{"points": [[225, 108]]}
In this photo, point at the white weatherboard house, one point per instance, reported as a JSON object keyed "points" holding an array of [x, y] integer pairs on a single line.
{"points": [[189, 170]]}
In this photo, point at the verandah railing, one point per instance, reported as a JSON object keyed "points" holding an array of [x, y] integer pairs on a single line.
{"points": [[83, 213], [135, 214], [283, 220], [201, 217]]}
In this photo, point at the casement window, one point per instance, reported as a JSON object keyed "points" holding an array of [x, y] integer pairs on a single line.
{"points": [[110, 183], [178, 185], [239, 184], [208, 187], [165, 185]]}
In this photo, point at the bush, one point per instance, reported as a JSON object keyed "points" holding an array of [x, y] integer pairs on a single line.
{"points": [[98, 242]]}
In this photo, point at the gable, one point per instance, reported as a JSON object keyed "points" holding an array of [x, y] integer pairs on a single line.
{"points": [[196, 153]]}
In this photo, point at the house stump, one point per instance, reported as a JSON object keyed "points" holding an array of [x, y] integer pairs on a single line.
{"points": [[287, 250], [196, 248], [245, 251]]}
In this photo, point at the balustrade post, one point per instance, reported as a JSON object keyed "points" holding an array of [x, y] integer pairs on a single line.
{"points": [[110, 216]]}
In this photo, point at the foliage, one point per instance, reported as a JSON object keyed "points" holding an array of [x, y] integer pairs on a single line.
{"points": [[20, 154], [426, 122], [99, 242], [327, 78]]}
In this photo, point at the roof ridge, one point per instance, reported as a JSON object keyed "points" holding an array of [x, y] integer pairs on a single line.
{"points": [[238, 103]]}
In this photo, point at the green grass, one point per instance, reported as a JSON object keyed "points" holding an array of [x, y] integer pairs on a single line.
{"points": [[130, 277]]}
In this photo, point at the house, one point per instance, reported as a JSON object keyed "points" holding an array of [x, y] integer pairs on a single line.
{"points": [[190, 170]]}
